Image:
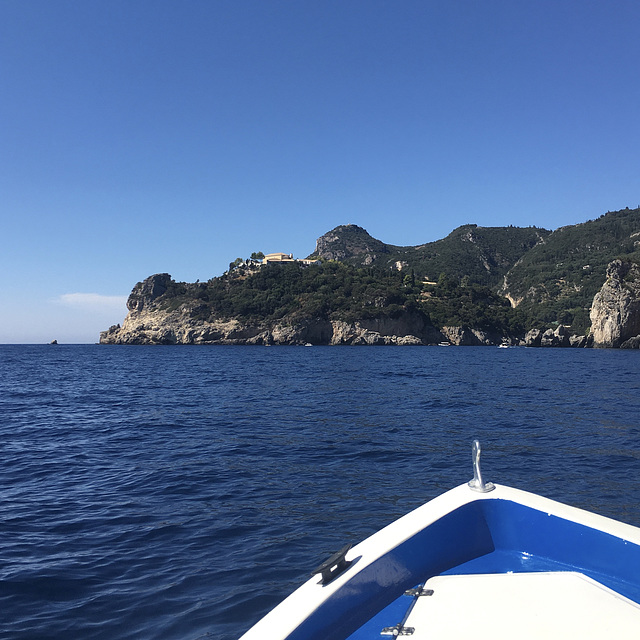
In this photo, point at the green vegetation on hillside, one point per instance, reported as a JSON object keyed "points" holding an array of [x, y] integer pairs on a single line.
{"points": [[336, 291], [271, 292], [291, 289], [453, 303], [482, 254], [556, 281]]}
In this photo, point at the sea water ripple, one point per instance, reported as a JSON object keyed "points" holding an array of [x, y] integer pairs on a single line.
{"points": [[181, 492]]}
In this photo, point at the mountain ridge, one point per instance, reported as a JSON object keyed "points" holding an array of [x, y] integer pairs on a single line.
{"points": [[484, 253]]}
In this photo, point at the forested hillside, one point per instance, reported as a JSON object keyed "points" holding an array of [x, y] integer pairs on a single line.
{"points": [[482, 254], [272, 292], [556, 280]]}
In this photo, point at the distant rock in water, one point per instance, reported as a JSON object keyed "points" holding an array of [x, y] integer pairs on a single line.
{"points": [[615, 313]]}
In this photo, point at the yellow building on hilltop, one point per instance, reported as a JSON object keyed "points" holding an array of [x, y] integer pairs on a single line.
{"points": [[278, 257], [285, 257]]}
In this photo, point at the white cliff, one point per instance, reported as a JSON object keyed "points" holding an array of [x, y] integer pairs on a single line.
{"points": [[615, 313]]}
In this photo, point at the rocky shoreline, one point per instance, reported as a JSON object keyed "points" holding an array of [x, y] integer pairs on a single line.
{"points": [[615, 323], [172, 331]]}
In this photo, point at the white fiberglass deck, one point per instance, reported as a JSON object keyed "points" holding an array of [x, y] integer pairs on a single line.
{"points": [[524, 606]]}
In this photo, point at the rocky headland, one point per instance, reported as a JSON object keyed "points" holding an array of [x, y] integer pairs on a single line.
{"points": [[362, 291], [151, 321]]}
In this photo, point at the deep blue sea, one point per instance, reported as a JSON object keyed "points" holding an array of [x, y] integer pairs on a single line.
{"points": [[182, 492]]}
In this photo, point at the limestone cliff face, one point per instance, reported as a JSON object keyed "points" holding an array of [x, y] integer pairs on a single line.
{"points": [[559, 337], [157, 327], [149, 321], [466, 337], [153, 327], [615, 313], [408, 329]]}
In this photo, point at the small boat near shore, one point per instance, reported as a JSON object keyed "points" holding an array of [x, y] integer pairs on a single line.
{"points": [[480, 561]]}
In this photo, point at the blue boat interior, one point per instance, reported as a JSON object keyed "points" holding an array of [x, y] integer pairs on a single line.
{"points": [[485, 536]]}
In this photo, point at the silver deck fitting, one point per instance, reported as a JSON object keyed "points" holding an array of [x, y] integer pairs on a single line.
{"points": [[477, 483]]}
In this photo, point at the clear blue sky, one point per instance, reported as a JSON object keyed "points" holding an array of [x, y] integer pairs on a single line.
{"points": [[145, 136]]}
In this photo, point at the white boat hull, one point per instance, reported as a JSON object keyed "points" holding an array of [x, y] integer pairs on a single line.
{"points": [[473, 544]]}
